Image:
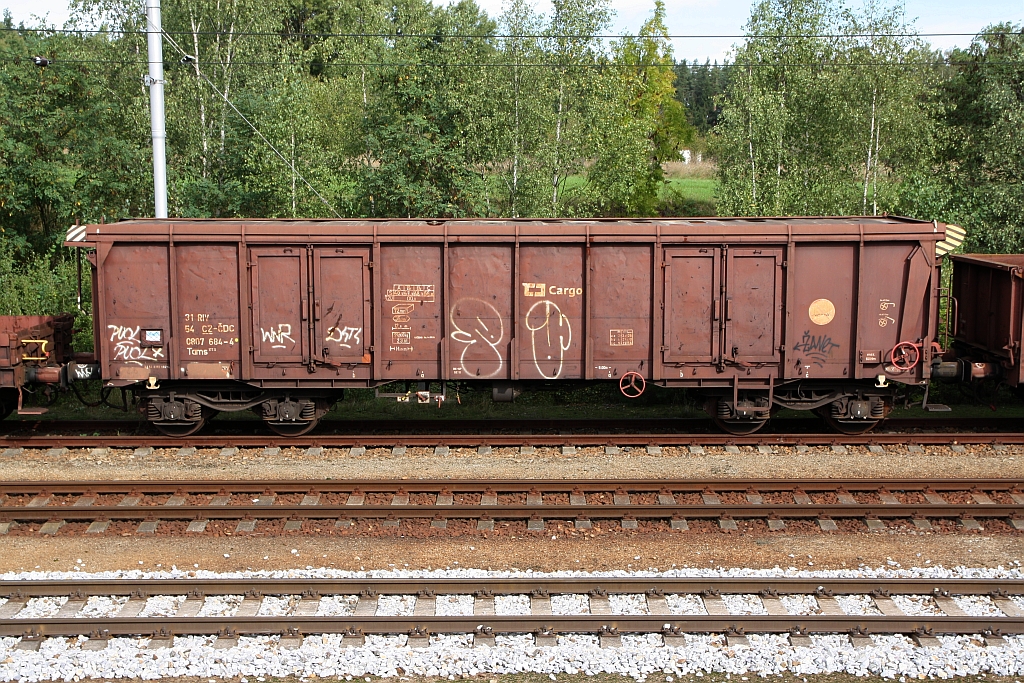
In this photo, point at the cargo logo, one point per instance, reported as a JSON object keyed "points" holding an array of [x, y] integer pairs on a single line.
{"points": [[478, 327], [545, 317], [540, 289], [278, 337], [128, 349]]}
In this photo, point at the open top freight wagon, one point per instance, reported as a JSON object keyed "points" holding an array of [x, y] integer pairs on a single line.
{"points": [[282, 315]]}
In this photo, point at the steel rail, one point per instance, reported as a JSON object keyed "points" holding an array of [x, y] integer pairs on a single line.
{"points": [[510, 512], [514, 624], [280, 486], [449, 425], [13, 441], [56, 502], [549, 585], [485, 623]]}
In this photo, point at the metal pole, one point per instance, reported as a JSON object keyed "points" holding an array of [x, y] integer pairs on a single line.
{"points": [[155, 80]]}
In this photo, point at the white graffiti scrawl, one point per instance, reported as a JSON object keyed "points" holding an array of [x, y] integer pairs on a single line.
{"points": [[546, 316], [480, 340], [127, 347], [278, 337], [345, 336]]}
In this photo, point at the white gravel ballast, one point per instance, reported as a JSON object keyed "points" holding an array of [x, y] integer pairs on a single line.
{"points": [[450, 656]]}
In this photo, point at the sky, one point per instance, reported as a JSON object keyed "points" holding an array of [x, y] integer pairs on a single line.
{"points": [[698, 18]]}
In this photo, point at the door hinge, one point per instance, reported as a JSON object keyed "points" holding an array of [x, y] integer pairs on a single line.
{"points": [[782, 349], [369, 264]]}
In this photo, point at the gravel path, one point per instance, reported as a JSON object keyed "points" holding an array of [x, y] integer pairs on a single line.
{"points": [[587, 463]]}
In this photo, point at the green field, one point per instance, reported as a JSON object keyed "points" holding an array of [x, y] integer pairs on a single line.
{"points": [[697, 189]]}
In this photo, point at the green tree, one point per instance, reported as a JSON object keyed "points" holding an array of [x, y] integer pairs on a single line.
{"points": [[425, 126], [519, 91], [822, 114], [650, 126], [700, 88], [981, 153], [73, 143]]}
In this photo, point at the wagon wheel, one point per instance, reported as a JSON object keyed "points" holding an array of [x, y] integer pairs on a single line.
{"points": [[8, 402], [291, 429], [849, 427], [184, 428], [739, 427], [180, 429]]}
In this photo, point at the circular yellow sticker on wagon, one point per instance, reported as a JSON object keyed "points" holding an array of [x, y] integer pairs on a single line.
{"points": [[821, 311]]}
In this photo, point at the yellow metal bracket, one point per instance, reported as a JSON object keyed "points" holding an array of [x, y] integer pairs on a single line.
{"points": [[42, 349]]}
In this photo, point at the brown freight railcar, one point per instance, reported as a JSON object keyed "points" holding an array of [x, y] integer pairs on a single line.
{"points": [[988, 317], [34, 349], [282, 315]]}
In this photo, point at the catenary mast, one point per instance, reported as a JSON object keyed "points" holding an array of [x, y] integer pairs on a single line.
{"points": [[155, 81]]}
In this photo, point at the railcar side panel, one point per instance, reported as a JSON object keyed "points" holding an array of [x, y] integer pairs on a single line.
{"points": [[412, 307], [820, 310], [480, 316], [207, 323], [135, 318], [893, 303], [551, 305], [620, 309]]}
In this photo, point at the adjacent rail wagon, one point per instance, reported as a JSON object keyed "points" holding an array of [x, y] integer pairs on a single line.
{"points": [[987, 306], [280, 316]]}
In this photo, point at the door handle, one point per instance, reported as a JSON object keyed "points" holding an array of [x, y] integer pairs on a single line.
{"points": [[305, 309], [716, 310], [728, 309], [316, 309]]}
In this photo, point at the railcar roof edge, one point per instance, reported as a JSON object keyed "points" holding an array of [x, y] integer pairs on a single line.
{"points": [[758, 227]]}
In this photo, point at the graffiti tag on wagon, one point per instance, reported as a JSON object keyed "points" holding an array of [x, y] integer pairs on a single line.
{"points": [[546, 320], [277, 337], [818, 348], [480, 340], [127, 347], [345, 336]]}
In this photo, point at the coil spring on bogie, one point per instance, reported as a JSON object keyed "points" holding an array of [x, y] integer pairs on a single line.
{"points": [[723, 410], [837, 409], [153, 413], [308, 411], [878, 409]]}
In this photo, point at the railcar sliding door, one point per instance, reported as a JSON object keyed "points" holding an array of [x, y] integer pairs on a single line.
{"points": [[280, 309], [341, 306], [692, 305], [753, 305]]}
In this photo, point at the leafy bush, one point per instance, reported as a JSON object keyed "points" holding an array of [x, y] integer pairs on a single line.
{"points": [[45, 284]]}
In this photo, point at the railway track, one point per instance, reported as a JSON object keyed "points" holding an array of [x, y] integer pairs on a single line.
{"points": [[466, 506], [485, 607], [358, 443], [654, 425]]}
